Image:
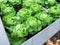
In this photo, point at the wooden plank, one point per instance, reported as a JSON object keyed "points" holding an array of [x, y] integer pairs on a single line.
{"points": [[3, 37]]}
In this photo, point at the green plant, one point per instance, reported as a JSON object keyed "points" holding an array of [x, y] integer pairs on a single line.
{"points": [[22, 18]]}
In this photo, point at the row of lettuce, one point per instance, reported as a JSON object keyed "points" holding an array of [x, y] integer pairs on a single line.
{"points": [[30, 18]]}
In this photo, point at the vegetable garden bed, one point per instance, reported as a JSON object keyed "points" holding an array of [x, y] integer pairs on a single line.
{"points": [[44, 35], [22, 19], [38, 39]]}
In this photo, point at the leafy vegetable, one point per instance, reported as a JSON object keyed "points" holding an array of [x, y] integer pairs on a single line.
{"points": [[24, 13], [3, 1], [46, 19], [35, 25], [36, 8], [55, 11], [20, 31], [14, 2], [41, 2], [7, 10], [27, 3], [22, 18], [50, 2], [17, 41], [11, 20]]}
